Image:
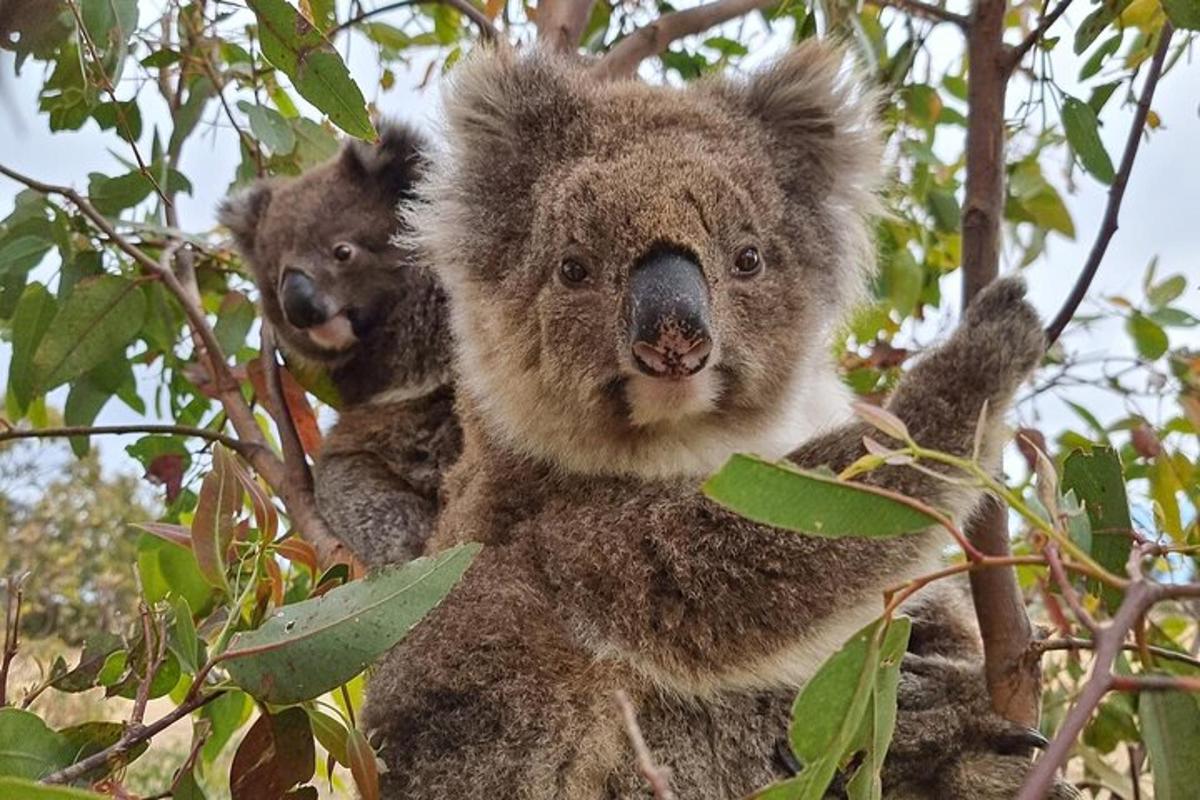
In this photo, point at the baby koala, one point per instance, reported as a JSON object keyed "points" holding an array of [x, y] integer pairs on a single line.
{"points": [[340, 292]]}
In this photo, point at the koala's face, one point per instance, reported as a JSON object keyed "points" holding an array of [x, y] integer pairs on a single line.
{"points": [[333, 282], [643, 279]]}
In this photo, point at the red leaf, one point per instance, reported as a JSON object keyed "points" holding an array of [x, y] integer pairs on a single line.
{"points": [[1144, 442], [1029, 442], [167, 470], [362, 764], [276, 754], [302, 414], [299, 551], [216, 513], [175, 534]]}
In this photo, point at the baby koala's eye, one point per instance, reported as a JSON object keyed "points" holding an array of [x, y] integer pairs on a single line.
{"points": [[747, 263], [572, 272], [343, 251]]}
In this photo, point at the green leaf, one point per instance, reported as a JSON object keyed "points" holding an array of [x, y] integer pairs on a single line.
{"points": [[331, 733], [1174, 318], [1096, 60], [1183, 14], [879, 723], [29, 749], [1082, 127], [811, 502], [111, 196], [96, 650], [308, 648], [1098, 482], [226, 714], [946, 213], [84, 402], [19, 789], [94, 322], [302, 53], [22, 253], [1171, 731], [186, 643], [234, 320], [1150, 339], [1101, 94], [35, 311], [1166, 290], [903, 279], [216, 513], [270, 128]]}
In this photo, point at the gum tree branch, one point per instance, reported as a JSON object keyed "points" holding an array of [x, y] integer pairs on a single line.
{"points": [[623, 59], [1013, 678], [560, 23], [927, 11], [241, 448], [1018, 51], [1071, 643], [1116, 192], [12, 631], [486, 29]]}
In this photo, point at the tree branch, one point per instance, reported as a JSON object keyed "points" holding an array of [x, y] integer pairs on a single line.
{"points": [[465, 7], [1116, 192], [623, 59], [12, 631], [1075, 644], [1018, 51], [241, 448], [925, 11], [560, 23], [1013, 678]]}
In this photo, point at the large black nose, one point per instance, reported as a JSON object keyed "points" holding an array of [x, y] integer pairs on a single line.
{"points": [[303, 304], [669, 315]]}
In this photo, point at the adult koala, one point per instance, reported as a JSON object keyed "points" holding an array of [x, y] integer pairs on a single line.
{"points": [[340, 292], [642, 281]]}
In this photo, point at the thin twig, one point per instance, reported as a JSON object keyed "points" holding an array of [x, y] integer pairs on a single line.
{"points": [[1116, 192], [656, 776], [623, 59], [465, 7], [1073, 643], [155, 642], [12, 631], [927, 11], [1068, 591], [236, 445], [1017, 52]]}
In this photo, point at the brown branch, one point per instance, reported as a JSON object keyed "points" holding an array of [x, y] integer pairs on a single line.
{"points": [[1017, 52], [1013, 679], [656, 776], [925, 11], [154, 637], [238, 446], [1068, 591], [623, 59], [130, 739], [464, 7], [1073, 643], [1116, 192], [1155, 683], [560, 23], [12, 631]]}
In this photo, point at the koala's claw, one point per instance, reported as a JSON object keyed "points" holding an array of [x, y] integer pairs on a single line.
{"points": [[1021, 740]]}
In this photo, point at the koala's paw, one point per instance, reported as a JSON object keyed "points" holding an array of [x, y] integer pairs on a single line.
{"points": [[1003, 332]]}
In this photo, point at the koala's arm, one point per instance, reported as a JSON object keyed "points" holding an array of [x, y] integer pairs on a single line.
{"points": [[371, 509], [703, 599]]}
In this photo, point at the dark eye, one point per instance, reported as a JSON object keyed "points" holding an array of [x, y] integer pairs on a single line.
{"points": [[572, 272], [343, 251], [747, 263]]}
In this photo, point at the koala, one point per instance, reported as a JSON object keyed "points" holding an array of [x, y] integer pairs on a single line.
{"points": [[641, 282], [341, 293]]}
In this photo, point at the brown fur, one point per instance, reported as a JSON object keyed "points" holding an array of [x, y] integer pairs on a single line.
{"points": [[605, 568], [379, 474]]}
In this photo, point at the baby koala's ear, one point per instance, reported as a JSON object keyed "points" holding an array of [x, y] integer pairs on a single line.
{"points": [[242, 211], [394, 163]]}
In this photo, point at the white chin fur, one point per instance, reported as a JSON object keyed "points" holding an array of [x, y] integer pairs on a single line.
{"points": [[335, 334], [654, 400]]}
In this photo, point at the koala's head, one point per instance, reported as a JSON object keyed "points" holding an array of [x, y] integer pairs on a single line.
{"points": [[334, 283], [644, 279]]}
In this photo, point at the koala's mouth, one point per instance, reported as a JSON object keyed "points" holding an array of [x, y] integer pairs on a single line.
{"points": [[654, 401], [334, 334]]}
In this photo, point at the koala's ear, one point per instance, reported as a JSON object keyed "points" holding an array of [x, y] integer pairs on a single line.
{"points": [[819, 116], [513, 111], [242, 211], [394, 163]]}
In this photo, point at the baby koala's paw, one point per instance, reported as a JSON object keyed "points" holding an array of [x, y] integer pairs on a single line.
{"points": [[1003, 333]]}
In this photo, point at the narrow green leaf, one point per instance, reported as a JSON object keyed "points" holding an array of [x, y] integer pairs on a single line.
{"points": [[309, 648], [331, 733], [302, 53], [810, 502], [269, 127], [879, 722], [22, 253], [34, 313], [1149, 338], [186, 642], [96, 321], [19, 789], [1083, 134], [1171, 731], [1098, 482], [1166, 290], [29, 749]]}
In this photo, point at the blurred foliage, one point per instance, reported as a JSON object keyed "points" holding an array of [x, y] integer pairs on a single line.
{"points": [[83, 320]]}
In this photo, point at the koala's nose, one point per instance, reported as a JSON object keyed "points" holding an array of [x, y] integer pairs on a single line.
{"points": [[669, 315], [303, 304]]}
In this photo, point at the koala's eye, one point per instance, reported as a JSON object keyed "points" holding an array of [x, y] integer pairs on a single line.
{"points": [[747, 263], [343, 251], [572, 272]]}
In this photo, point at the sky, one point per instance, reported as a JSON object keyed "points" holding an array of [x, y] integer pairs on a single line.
{"points": [[1160, 216]]}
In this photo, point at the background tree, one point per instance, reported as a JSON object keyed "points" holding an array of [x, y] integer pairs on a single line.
{"points": [[106, 292]]}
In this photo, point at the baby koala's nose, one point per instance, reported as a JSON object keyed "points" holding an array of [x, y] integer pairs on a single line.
{"points": [[669, 315], [303, 304]]}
